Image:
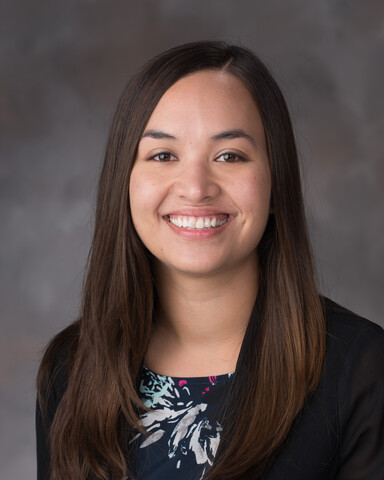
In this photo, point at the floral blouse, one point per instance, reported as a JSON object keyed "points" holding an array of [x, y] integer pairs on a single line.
{"points": [[183, 435]]}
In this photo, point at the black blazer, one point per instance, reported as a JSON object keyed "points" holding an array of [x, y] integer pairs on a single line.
{"points": [[339, 433]]}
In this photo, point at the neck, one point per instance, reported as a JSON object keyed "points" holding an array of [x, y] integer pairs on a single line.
{"points": [[202, 320]]}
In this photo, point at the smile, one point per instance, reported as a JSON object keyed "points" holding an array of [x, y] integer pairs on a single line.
{"points": [[198, 223]]}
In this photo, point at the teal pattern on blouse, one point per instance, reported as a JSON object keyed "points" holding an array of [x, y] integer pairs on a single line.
{"points": [[182, 433]]}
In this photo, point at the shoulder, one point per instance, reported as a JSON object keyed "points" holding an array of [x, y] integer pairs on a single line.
{"points": [[52, 380], [55, 367], [349, 332], [354, 361]]}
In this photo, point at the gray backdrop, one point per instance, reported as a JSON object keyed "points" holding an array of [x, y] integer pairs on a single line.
{"points": [[63, 65]]}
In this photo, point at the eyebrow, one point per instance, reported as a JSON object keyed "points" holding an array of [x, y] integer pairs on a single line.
{"points": [[157, 134], [225, 135], [235, 133]]}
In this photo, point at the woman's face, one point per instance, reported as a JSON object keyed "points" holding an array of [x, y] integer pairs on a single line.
{"points": [[200, 187]]}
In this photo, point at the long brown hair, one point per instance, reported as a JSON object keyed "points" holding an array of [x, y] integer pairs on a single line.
{"points": [[281, 357]]}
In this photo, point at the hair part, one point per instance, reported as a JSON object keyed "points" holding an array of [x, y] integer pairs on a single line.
{"points": [[281, 357]]}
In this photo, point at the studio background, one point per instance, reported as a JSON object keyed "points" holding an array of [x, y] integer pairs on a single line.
{"points": [[63, 66]]}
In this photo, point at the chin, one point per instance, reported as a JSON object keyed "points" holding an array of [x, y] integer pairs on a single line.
{"points": [[197, 271], [202, 269]]}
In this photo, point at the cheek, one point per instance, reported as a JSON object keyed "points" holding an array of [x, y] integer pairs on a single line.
{"points": [[145, 196], [138, 199], [254, 193], [134, 195]]}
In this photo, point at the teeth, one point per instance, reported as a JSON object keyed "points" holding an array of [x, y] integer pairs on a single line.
{"points": [[192, 222], [198, 223]]}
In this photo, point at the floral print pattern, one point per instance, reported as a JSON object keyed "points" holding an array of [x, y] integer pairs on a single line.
{"points": [[182, 438]]}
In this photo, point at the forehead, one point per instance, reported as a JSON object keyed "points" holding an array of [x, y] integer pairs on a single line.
{"points": [[214, 98]]}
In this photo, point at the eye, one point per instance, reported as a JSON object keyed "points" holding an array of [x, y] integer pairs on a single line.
{"points": [[162, 157], [230, 157]]}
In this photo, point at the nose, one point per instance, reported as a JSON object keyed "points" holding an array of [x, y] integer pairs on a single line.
{"points": [[196, 182]]}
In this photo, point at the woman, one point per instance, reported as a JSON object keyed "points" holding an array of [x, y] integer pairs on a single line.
{"points": [[203, 349]]}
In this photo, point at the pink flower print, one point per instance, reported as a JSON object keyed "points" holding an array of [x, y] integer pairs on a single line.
{"points": [[213, 380]]}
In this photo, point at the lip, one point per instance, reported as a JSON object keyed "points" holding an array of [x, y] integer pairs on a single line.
{"points": [[197, 212], [197, 234]]}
